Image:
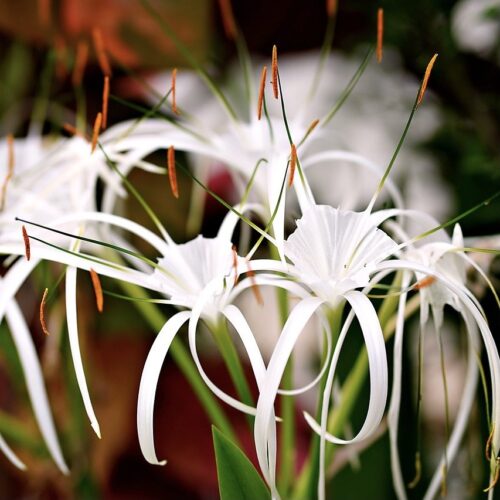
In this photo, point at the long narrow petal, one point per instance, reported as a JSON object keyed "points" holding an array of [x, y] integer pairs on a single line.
{"points": [[394, 407], [264, 421], [466, 403], [363, 309], [14, 279], [74, 344], [11, 456], [193, 325], [34, 382], [149, 382], [491, 350]]}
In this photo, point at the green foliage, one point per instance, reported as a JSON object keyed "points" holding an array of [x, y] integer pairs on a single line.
{"points": [[238, 478]]}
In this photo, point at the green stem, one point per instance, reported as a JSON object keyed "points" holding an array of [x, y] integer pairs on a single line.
{"points": [[180, 355], [287, 443], [350, 392], [354, 382], [306, 486], [11, 429]]}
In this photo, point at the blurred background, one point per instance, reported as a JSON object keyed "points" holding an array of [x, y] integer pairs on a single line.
{"points": [[453, 163]]}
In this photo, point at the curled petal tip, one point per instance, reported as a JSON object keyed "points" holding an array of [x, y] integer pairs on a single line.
{"points": [[97, 429]]}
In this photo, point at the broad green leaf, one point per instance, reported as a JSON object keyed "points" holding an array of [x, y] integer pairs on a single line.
{"points": [[238, 478]]}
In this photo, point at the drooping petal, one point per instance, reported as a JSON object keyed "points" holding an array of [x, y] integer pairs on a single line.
{"points": [[34, 382], [395, 404], [264, 426], [149, 382], [11, 456], [363, 309], [74, 344]]}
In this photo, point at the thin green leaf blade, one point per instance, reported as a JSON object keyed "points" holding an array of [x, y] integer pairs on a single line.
{"points": [[238, 478]]}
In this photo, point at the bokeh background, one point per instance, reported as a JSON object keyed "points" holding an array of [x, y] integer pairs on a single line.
{"points": [[463, 146]]}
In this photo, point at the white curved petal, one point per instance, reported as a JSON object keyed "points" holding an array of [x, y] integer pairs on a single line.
{"points": [[466, 403], [149, 382], [193, 325], [360, 160], [74, 344], [363, 309], [491, 351], [14, 279], [264, 426], [11, 456], [34, 382], [394, 407]]}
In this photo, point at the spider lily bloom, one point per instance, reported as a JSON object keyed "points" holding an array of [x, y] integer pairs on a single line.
{"points": [[199, 276], [333, 253], [446, 260], [44, 179]]}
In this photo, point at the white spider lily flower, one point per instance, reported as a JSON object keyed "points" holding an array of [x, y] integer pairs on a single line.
{"points": [[45, 179], [333, 253]]}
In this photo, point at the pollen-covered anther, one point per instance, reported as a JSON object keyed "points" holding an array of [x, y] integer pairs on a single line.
{"points": [[72, 130], [95, 132], [96, 283], [235, 264], [42, 312], [495, 477], [100, 51], [262, 86], [172, 175], [487, 450], [81, 58], [27, 245], [105, 100], [331, 7], [10, 169], [274, 70], [228, 21], [255, 286], [425, 80], [380, 34], [173, 89], [293, 164], [44, 9], [425, 282]]}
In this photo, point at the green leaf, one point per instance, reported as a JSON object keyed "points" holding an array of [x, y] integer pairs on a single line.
{"points": [[238, 478]]}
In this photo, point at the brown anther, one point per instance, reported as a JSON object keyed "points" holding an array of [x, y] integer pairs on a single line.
{"points": [[173, 87], [312, 126], [380, 33], [255, 287], [95, 132], [425, 80], [496, 476], [228, 21], [96, 283], [60, 50], [27, 246], [172, 175], [44, 9], [293, 164], [235, 264], [425, 282], [262, 86], [72, 130], [331, 7], [81, 58], [274, 70], [42, 312], [10, 169], [100, 51], [487, 450], [105, 100]]}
